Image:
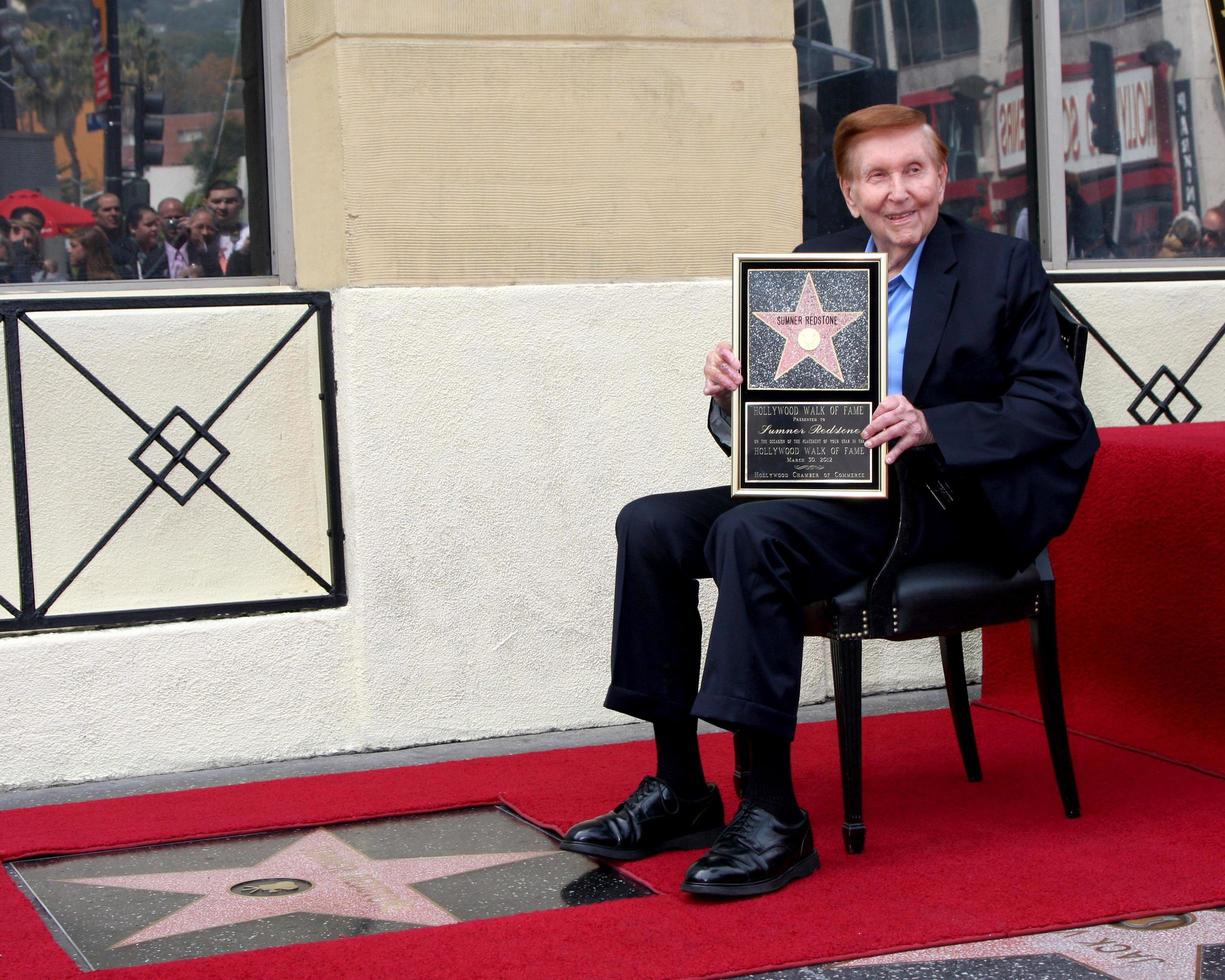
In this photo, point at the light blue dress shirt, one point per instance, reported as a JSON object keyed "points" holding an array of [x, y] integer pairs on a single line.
{"points": [[901, 297]]}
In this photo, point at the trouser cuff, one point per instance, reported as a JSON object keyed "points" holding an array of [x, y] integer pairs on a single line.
{"points": [[644, 706], [735, 714]]}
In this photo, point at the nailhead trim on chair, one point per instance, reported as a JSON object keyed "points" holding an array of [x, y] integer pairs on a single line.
{"points": [[856, 636]]}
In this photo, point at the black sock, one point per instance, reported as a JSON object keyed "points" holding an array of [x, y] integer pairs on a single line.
{"points": [[767, 783], [678, 762]]}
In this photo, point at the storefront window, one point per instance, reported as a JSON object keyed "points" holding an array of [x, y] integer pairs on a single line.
{"points": [[868, 31], [1140, 118], [935, 45], [1143, 133], [811, 23], [151, 169], [930, 30]]}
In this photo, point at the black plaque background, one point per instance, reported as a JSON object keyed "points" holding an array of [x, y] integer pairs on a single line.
{"points": [[749, 394], [809, 465]]}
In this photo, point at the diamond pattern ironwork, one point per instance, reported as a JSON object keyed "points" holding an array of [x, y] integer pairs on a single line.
{"points": [[173, 466], [1148, 393]]}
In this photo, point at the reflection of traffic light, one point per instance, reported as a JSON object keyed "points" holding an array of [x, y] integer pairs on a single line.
{"points": [[148, 126], [1102, 115]]}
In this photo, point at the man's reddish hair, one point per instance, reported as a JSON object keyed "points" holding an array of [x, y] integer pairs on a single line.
{"points": [[875, 118]]}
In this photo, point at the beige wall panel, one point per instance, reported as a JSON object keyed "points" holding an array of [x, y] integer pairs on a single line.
{"points": [[312, 20], [316, 165], [307, 22], [490, 164]]}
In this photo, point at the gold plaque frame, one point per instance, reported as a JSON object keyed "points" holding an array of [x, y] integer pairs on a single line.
{"points": [[812, 375]]}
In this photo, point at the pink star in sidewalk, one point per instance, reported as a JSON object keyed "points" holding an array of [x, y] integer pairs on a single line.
{"points": [[809, 331], [343, 881]]}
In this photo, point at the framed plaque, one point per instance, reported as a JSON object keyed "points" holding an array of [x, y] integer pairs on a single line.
{"points": [[810, 334]]}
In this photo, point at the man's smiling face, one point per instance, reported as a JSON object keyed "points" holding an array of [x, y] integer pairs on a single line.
{"points": [[897, 186]]}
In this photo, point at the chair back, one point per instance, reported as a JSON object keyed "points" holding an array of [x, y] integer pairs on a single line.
{"points": [[1073, 331]]}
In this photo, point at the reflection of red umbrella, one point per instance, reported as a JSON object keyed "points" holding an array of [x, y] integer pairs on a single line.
{"points": [[61, 217]]}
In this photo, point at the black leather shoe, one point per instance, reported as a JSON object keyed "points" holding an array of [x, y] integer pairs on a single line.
{"points": [[653, 819], [757, 853]]}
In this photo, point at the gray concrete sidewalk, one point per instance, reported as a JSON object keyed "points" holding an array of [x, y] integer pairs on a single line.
{"points": [[419, 755]]}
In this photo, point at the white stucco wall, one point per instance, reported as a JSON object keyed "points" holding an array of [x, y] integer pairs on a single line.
{"points": [[488, 438]]}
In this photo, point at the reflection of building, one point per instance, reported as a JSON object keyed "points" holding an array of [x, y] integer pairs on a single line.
{"points": [[961, 62]]}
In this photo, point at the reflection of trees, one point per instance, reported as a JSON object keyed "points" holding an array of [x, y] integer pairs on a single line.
{"points": [[200, 87], [217, 155], [140, 53], [58, 101]]}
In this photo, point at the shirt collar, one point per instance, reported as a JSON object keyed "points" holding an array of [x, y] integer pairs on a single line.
{"points": [[910, 271]]}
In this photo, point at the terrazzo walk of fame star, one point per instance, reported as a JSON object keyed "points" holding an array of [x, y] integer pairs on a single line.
{"points": [[1186, 946], [809, 329], [157, 904]]}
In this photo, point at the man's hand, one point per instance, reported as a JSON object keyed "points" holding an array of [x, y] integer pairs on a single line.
{"points": [[722, 371], [896, 419]]}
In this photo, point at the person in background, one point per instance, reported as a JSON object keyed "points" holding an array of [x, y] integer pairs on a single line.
{"points": [[203, 228], [6, 267], [824, 212], [24, 249], [89, 256], [224, 198], [1087, 238], [1182, 240], [1212, 233], [170, 207], [146, 256], [108, 216], [42, 269], [183, 260], [31, 215]]}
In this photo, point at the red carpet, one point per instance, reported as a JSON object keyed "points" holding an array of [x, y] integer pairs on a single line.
{"points": [[1141, 600], [947, 861]]}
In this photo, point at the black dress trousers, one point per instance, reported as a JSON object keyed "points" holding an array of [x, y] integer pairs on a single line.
{"points": [[769, 559]]}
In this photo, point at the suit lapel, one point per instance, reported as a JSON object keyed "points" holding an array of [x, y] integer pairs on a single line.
{"points": [[935, 286]]}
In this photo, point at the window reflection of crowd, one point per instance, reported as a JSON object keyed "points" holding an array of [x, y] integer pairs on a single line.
{"points": [[145, 243], [169, 243]]}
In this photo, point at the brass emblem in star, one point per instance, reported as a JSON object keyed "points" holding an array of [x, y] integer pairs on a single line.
{"points": [[809, 331]]}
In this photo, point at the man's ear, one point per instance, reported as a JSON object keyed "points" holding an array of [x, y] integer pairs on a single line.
{"points": [[944, 179], [846, 196]]}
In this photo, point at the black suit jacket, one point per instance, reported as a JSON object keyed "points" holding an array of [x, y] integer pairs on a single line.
{"points": [[985, 364]]}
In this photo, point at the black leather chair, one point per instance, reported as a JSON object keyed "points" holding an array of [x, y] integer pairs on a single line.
{"points": [[943, 599]]}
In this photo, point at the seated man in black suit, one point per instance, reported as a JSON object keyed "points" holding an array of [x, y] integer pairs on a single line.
{"points": [[976, 368]]}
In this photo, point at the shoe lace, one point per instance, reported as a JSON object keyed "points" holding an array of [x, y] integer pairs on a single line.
{"points": [[645, 788], [740, 821]]}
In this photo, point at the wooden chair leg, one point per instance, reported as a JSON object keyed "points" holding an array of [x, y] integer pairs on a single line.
{"points": [[847, 656], [959, 703], [1050, 695]]}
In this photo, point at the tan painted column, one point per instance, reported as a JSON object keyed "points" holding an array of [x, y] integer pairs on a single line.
{"points": [[443, 142]]}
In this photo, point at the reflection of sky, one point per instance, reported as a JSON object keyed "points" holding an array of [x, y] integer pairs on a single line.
{"points": [[777, 290]]}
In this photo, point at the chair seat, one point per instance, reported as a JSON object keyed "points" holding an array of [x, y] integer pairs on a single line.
{"points": [[930, 600]]}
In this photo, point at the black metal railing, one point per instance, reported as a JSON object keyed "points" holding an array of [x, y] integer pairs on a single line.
{"points": [[1161, 404], [178, 455]]}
